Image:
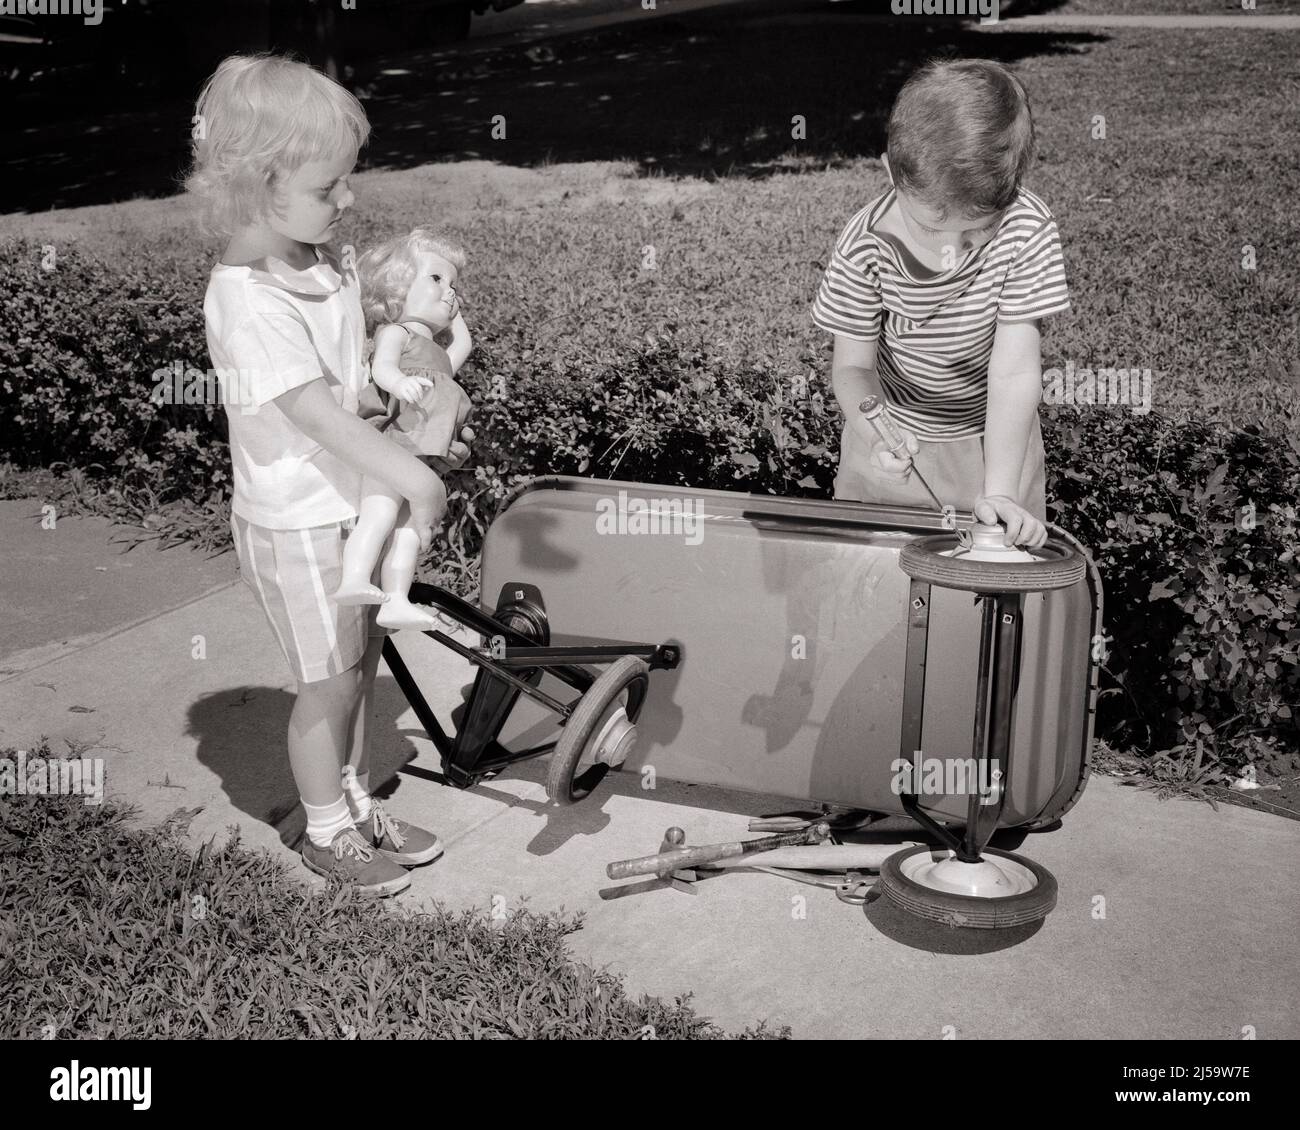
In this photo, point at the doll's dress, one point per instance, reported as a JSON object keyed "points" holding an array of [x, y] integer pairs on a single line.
{"points": [[426, 427]]}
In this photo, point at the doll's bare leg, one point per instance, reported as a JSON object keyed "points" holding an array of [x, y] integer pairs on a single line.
{"points": [[396, 574], [379, 507]]}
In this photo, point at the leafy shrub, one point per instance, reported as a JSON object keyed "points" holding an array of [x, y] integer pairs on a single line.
{"points": [[1194, 528], [80, 343], [667, 411], [113, 932], [1202, 611]]}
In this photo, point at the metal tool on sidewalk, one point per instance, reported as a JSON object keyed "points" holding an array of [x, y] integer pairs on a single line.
{"points": [[677, 878], [817, 857], [779, 823], [666, 863], [851, 887], [802, 852]]}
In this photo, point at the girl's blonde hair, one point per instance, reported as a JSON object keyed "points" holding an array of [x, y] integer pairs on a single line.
{"points": [[258, 120], [386, 271]]}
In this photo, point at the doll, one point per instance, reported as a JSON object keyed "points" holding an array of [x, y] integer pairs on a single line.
{"points": [[408, 288]]}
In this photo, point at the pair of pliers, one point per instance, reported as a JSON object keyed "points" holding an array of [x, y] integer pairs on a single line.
{"points": [[853, 888]]}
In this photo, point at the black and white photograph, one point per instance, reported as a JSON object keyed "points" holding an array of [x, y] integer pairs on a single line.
{"points": [[650, 520]]}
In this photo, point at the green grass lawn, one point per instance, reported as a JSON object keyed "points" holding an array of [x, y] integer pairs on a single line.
{"points": [[1197, 163], [108, 931]]}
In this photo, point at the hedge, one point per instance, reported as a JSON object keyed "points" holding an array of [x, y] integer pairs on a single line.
{"points": [[1193, 524]]}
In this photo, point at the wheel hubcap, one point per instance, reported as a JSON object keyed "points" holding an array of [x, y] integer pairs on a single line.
{"points": [[615, 738], [992, 877], [986, 545]]}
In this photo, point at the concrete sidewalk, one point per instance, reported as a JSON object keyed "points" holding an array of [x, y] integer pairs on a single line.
{"points": [[68, 582], [1200, 907]]}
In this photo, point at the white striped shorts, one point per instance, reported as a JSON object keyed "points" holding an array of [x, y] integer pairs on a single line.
{"points": [[292, 573]]}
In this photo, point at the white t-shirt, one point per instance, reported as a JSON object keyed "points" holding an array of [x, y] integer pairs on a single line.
{"points": [[271, 328]]}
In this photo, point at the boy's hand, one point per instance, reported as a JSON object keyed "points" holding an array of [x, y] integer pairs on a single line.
{"points": [[900, 464], [1022, 527]]}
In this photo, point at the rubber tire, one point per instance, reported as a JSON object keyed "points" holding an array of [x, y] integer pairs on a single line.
{"points": [[968, 911], [579, 730], [922, 561]]}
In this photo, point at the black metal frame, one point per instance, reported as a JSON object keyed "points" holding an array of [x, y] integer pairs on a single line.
{"points": [[514, 665], [997, 680]]}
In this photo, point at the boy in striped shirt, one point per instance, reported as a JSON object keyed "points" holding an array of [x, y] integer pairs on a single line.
{"points": [[934, 294]]}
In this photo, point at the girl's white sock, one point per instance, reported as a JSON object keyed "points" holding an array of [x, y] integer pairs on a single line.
{"points": [[356, 787], [325, 821]]}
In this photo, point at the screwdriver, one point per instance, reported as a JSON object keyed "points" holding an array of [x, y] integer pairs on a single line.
{"points": [[874, 410]]}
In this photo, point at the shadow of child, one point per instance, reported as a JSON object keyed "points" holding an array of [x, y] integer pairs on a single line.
{"points": [[241, 734]]}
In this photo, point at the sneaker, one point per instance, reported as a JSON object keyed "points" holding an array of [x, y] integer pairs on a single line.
{"points": [[396, 840], [357, 862]]}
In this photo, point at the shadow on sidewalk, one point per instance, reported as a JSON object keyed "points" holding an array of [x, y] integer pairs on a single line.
{"points": [[241, 736]]}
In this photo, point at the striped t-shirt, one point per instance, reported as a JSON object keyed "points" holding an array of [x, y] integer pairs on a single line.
{"points": [[933, 355]]}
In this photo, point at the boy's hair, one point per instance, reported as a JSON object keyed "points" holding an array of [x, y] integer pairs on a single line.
{"points": [[386, 271], [961, 136], [258, 120]]}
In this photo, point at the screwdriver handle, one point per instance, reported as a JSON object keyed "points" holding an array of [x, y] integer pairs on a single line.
{"points": [[873, 408]]}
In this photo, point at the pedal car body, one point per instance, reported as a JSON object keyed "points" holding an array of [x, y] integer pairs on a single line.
{"points": [[791, 619]]}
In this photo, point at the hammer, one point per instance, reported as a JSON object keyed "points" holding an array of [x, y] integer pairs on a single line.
{"points": [[678, 859]]}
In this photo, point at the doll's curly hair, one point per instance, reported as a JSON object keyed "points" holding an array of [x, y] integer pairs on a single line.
{"points": [[386, 271]]}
